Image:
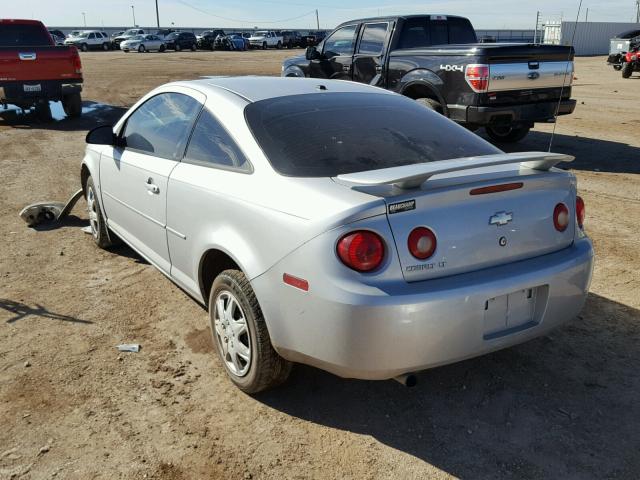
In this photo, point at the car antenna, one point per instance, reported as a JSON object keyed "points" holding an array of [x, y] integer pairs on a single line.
{"points": [[564, 80]]}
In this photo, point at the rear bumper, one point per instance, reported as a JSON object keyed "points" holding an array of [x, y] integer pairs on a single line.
{"points": [[49, 90], [423, 324], [510, 114]]}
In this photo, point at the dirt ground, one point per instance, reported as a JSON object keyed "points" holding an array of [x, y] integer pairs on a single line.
{"points": [[562, 406]]}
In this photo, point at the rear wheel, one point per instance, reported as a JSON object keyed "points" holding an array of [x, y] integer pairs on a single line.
{"points": [[241, 337], [507, 133], [105, 47], [43, 111], [97, 222], [84, 47], [627, 70], [72, 105], [193, 47], [264, 45], [162, 48], [141, 49], [178, 47], [431, 104], [279, 45]]}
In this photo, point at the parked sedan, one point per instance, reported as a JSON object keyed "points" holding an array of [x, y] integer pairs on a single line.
{"points": [[143, 43], [181, 41], [385, 240]]}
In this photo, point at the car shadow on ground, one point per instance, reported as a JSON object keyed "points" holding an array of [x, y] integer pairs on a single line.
{"points": [[93, 114], [517, 413], [592, 154]]}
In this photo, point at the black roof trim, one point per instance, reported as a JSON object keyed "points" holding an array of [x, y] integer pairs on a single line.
{"points": [[398, 17]]}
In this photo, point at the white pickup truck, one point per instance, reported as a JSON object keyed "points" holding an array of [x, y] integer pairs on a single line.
{"points": [[265, 39]]}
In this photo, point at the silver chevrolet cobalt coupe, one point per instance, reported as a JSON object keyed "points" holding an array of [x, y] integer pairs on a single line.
{"points": [[338, 225]]}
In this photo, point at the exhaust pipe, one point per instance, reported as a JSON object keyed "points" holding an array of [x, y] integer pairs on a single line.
{"points": [[408, 379]]}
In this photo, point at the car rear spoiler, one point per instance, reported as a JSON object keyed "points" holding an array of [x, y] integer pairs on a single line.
{"points": [[412, 176]]}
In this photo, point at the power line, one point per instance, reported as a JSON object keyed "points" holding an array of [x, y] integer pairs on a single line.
{"points": [[312, 12]]}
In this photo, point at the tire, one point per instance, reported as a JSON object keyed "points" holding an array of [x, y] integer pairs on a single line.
{"points": [[264, 45], [43, 112], [84, 47], [141, 49], [193, 47], [99, 230], [617, 68], [431, 104], [279, 46], [72, 105], [507, 134], [245, 326], [105, 47], [627, 70], [178, 47], [162, 48]]}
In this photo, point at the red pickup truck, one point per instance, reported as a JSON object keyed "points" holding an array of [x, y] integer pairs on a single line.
{"points": [[33, 71]]}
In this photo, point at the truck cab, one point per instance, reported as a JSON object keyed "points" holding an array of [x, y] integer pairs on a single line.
{"points": [[437, 60]]}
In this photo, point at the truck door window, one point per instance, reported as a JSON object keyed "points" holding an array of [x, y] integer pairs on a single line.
{"points": [[341, 42], [372, 41]]}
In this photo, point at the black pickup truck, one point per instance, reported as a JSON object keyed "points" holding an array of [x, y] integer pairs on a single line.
{"points": [[438, 61]]}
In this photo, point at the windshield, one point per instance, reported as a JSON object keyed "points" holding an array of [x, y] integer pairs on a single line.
{"points": [[173, 35], [137, 37], [131, 32], [345, 133]]}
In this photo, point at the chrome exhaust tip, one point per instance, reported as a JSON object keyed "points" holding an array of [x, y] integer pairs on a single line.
{"points": [[408, 379]]}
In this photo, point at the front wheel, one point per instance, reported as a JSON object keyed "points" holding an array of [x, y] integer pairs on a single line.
{"points": [[279, 46], [141, 49], [97, 222], [241, 337], [264, 46], [617, 67], [162, 48], [84, 47], [193, 47], [178, 47], [507, 134], [627, 70], [72, 105], [105, 47]]}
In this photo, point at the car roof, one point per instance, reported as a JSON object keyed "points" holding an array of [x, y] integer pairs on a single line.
{"points": [[391, 18], [256, 88]]}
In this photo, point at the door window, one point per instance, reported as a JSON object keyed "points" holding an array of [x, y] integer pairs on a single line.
{"points": [[92, 36], [341, 42], [161, 125], [372, 41], [212, 146]]}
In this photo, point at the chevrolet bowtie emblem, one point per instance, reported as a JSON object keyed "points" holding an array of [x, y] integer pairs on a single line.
{"points": [[501, 218]]}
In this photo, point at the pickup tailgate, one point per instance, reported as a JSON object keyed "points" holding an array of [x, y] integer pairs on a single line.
{"points": [[27, 64]]}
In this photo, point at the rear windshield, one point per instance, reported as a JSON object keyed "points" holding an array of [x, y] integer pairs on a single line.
{"points": [[340, 133], [423, 32], [23, 36]]}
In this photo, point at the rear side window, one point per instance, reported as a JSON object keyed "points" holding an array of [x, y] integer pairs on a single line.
{"points": [[12, 35], [212, 146], [355, 132], [372, 41], [161, 125], [341, 42]]}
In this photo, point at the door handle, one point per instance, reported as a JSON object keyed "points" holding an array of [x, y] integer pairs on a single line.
{"points": [[151, 187], [378, 68], [346, 68], [27, 56]]}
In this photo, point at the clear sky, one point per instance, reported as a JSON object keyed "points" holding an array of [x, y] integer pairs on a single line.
{"points": [[301, 13]]}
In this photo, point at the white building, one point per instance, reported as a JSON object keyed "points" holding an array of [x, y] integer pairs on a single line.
{"points": [[591, 38]]}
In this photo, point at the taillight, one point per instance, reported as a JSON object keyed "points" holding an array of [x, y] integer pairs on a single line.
{"points": [[580, 211], [362, 250], [561, 217], [477, 76], [422, 243], [77, 64]]}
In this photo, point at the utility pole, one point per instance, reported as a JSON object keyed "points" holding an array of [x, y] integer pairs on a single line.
{"points": [[637, 11], [157, 15], [133, 11], [318, 19], [535, 33], [84, 19], [586, 17]]}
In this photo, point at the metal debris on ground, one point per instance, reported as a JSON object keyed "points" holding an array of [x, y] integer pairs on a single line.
{"points": [[40, 212], [129, 347]]}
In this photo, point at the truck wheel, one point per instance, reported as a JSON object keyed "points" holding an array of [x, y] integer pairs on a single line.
{"points": [[431, 104], [97, 222], [84, 47], [105, 47], [178, 47], [627, 70], [43, 111], [193, 47], [72, 105], [141, 49], [279, 46], [241, 337], [617, 67], [507, 134], [264, 45]]}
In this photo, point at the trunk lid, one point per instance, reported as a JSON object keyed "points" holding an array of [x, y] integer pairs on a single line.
{"points": [[25, 64]]}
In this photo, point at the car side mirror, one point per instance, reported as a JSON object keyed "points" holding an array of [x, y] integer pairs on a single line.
{"points": [[312, 53], [102, 135]]}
